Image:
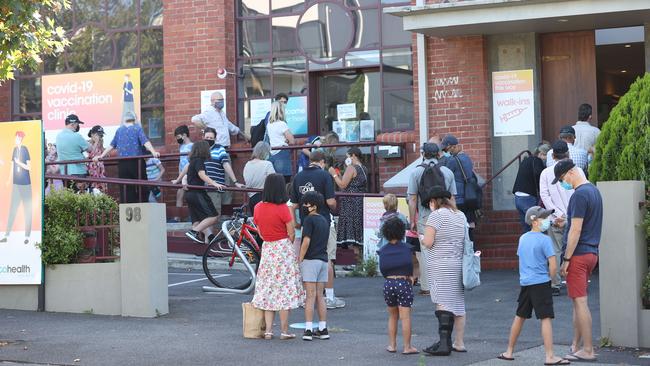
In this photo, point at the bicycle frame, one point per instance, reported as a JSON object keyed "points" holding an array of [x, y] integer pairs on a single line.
{"points": [[236, 252], [246, 230]]}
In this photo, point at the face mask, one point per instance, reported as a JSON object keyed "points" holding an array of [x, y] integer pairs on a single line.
{"points": [[219, 104], [446, 154], [566, 185], [180, 141], [76, 129], [348, 161], [210, 142], [545, 224]]}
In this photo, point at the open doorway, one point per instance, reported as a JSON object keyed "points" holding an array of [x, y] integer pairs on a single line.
{"points": [[620, 59]]}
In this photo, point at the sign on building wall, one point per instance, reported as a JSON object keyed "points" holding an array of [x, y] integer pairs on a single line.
{"points": [[296, 114], [373, 209], [97, 98], [513, 103], [259, 109], [21, 202]]}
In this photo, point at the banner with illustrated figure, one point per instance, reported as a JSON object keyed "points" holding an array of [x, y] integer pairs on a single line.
{"points": [[373, 209], [97, 98], [21, 202], [513, 103]]}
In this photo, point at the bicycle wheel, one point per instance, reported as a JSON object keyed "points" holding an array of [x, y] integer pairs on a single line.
{"points": [[218, 269]]}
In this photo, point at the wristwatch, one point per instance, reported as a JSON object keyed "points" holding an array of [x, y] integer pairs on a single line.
{"points": [[565, 259]]}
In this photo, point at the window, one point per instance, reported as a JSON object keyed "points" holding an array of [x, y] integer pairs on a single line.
{"points": [[104, 35]]}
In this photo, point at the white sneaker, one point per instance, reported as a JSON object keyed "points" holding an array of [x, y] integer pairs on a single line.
{"points": [[335, 304]]}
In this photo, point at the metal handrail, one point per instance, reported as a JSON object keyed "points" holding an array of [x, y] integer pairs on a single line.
{"points": [[516, 158]]}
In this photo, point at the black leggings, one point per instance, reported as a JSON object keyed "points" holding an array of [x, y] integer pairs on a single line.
{"points": [[128, 169]]}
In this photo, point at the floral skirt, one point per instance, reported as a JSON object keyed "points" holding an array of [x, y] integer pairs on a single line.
{"points": [[278, 285]]}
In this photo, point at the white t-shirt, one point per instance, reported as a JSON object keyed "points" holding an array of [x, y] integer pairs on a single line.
{"points": [[276, 132]]}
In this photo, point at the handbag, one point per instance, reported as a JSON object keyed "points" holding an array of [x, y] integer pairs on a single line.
{"points": [[471, 263], [254, 324], [473, 194]]}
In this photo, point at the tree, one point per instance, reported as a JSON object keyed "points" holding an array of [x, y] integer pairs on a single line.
{"points": [[28, 32]]}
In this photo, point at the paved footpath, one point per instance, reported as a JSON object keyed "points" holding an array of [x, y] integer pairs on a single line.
{"points": [[205, 329]]}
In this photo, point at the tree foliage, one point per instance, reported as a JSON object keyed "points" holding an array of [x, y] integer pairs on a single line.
{"points": [[28, 32]]}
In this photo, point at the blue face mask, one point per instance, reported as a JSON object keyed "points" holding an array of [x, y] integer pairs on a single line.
{"points": [[546, 224], [446, 154], [566, 185], [219, 104]]}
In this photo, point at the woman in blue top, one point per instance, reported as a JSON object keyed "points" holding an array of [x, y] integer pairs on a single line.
{"points": [[396, 264]]}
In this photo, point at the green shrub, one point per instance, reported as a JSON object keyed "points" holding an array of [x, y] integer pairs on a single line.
{"points": [[62, 241]]}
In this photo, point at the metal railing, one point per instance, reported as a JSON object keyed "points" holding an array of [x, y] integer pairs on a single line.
{"points": [[516, 158]]}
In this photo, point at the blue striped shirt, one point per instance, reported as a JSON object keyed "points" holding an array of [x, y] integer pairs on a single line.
{"points": [[214, 166]]}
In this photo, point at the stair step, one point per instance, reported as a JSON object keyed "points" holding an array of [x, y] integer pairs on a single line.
{"points": [[496, 239], [498, 228], [498, 263], [501, 251]]}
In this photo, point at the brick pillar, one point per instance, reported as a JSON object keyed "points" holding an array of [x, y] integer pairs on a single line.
{"points": [[459, 96], [199, 38], [5, 101]]}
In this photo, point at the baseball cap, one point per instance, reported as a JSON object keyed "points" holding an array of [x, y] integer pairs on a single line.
{"points": [[449, 140], [560, 147], [567, 130], [96, 129], [430, 148], [72, 118], [537, 212], [129, 116], [561, 167]]}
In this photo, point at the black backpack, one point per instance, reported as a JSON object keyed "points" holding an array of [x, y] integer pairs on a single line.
{"points": [[258, 132], [432, 176]]}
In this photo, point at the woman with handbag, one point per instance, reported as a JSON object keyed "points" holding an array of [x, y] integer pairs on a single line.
{"points": [[278, 286], [526, 187], [444, 240]]}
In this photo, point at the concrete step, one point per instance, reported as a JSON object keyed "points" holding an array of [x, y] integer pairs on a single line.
{"points": [[491, 263]]}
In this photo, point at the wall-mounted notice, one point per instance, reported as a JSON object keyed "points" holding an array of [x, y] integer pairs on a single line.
{"points": [[346, 111], [513, 103], [367, 128], [259, 109]]}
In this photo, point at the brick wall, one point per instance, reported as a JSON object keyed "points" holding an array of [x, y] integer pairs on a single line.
{"points": [[458, 95], [5, 101], [198, 38]]}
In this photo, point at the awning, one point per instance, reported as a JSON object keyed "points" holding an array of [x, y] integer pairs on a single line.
{"points": [[473, 17]]}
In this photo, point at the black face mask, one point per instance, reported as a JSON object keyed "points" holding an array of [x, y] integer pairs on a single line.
{"points": [[76, 129], [180, 141], [210, 142]]}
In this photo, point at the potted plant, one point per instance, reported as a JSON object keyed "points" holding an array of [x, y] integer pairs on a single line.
{"points": [[645, 291]]}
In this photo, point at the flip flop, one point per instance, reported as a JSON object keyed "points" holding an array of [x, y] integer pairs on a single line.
{"points": [[502, 357], [575, 358], [391, 350], [411, 353], [561, 361], [459, 350], [286, 336]]}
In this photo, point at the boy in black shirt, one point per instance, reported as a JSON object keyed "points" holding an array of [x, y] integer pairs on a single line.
{"points": [[313, 263], [396, 264]]}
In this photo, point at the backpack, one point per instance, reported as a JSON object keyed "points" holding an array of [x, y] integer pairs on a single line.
{"points": [[258, 132], [432, 176]]}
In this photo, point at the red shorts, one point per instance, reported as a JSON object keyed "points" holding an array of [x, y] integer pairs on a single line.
{"points": [[580, 268]]}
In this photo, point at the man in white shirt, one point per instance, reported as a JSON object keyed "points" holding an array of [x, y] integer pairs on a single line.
{"points": [[216, 118], [555, 198], [586, 134], [578, 155]]}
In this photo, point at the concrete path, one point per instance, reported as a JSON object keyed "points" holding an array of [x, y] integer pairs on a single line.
{"points": [[205, 329]]}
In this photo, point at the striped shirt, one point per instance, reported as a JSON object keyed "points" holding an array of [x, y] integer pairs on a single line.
{"points": [[214, 166], [153, 171], [579, 156]]}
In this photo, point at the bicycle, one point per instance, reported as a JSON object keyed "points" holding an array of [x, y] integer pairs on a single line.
{"points": [[242, 235]]}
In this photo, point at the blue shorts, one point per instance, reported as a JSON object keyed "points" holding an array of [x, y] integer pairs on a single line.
{"points": [[398, 292]]}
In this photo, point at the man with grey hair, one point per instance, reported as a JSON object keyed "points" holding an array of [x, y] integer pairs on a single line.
{"points": [[216, 118], [579, 156]]}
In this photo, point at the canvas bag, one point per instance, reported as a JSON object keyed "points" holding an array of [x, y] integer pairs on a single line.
{"points": [[471, 264], [254, 325]]}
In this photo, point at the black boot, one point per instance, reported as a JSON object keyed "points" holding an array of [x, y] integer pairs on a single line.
{"points": [[445, 327]]}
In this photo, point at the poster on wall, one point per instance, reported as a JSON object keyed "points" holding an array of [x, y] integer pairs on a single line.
{"points": [[21, 202], [373, 209], [339, 128], [97, 98], [352, 131], [205, 99], [367, 130], [259, 109], [346, 111], [513, 103], [296, 115]]}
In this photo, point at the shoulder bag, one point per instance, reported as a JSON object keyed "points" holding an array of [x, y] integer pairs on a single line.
{"points": [[471, 264]]}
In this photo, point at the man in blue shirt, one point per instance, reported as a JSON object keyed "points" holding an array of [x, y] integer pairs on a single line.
{"points": [[128, 141], [580, 248], [461, 165], [70, 145]]}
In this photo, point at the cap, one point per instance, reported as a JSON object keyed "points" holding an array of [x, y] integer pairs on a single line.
{"points": [[567, 130], [560, 147], [439, 192], [537, 212], [449, 140], [561, 167], [72, 118], [430, 148], [129, 116], [96, 129]]}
